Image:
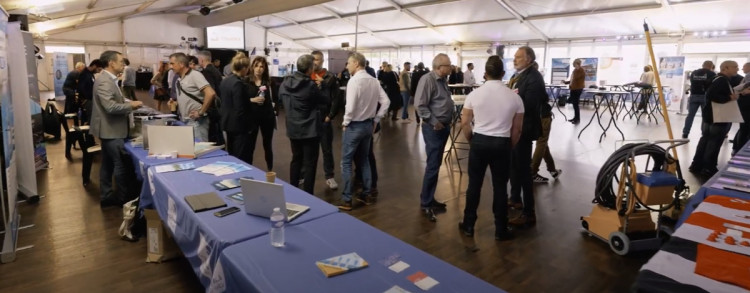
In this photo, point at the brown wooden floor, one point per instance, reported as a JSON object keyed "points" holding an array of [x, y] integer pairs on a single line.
{"points": [[77, 249]]}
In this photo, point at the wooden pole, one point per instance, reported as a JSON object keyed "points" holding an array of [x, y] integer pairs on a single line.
{"points": [[659, 87]]}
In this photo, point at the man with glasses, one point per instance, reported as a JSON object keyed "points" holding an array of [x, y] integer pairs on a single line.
{"points": [[435, 108]]}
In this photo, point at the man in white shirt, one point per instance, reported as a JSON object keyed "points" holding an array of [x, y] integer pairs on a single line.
{"points": [[363, 94], [469, 74], [496, 113]]}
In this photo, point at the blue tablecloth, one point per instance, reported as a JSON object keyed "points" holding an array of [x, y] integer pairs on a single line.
{"points": [[142, 162], [202, 236], [256, 266]]}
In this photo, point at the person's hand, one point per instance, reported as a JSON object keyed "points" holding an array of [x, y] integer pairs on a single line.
{"points": [[745, 91], [438, 126], [258, 100], [136, 104], [328, 119], [344, 128], [734, 96], [195, 114]]}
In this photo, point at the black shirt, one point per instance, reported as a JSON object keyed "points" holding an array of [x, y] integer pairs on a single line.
{"points": [[213, 76], [263, 112], [700, 80], [86, 84], [719, 91]]}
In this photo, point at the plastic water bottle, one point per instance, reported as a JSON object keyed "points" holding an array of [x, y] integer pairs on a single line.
{"points": [[277, 228]]}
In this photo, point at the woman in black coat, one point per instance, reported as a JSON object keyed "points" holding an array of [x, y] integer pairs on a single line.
{"points": [[262, 108], [236, 110], [389, 81]]}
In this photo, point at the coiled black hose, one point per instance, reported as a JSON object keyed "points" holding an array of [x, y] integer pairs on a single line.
{"points": [[605, 193]]}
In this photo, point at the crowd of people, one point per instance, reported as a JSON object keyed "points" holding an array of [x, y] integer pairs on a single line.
{"points": [[499, 121]]}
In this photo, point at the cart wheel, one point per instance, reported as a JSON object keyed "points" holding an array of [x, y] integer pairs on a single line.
{"points": [[585, 225], [619, 243]]}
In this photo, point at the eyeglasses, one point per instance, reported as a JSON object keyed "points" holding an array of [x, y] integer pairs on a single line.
{"points": [[441, 65]]}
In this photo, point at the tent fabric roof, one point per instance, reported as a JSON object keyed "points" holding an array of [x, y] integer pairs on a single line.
{"points": [[396, 23]]}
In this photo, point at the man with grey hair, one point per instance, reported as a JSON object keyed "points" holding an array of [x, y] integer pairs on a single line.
{"points": [[194, 96], [69, 88], [435, 108], [363, 93], [109, 122], [213, 76], [304, 122]]}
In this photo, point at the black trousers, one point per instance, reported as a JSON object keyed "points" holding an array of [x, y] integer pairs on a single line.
{"points": [[214, 131], [575, 98], [743, 134], [304, 155], [239, 145], [265, 127], [520, 176], [494, 152], [326, 146], [707, 153]]}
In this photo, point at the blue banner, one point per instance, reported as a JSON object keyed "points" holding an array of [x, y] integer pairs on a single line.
{"points": [[60, 71]]}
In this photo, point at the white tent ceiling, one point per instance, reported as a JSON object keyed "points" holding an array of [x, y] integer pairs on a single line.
{"points": [[396, 23]]}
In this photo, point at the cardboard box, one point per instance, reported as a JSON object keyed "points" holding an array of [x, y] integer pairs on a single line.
{"points": [[160, 243]]}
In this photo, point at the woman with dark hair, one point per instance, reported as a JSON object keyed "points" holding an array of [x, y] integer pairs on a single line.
{"points": [[161, 94], [262, 108], [235, 109]]}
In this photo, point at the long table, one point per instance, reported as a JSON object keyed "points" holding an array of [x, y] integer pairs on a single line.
{"points": [[256, 266], [202, 236], [142, 162]]}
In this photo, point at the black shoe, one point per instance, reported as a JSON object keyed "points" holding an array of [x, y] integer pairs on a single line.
{"points": [[86, 182], [429, 213], [109, 202], [708, 173], [576, 121], [69, 156], [367, 200], [503, 236], [695, 168], [684, 135], [468, 231], [345, 205], [437, 205]]}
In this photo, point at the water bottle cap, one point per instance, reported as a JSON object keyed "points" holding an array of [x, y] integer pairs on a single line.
{"points": [[276, 209]]}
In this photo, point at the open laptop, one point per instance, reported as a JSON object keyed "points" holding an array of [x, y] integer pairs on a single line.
{"points": [[261, 197]]}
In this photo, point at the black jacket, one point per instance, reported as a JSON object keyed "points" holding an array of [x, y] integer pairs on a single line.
{"points": [[86, 85], [330, 89], [530, 85], [415, 76], [235, 107], [213, 76], [261, 113], [302, 100], [719, 91], [71, 84]]}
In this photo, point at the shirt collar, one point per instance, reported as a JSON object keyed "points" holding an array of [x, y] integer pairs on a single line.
{"points": [[437, 76], [110, 74]]}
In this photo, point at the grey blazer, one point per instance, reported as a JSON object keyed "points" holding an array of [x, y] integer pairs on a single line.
{"points": [[110, 112]]}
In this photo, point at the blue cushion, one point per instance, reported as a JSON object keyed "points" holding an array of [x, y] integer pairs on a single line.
{"points": [[659, 178]]}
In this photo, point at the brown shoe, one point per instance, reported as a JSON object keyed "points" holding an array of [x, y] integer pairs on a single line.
{"points": [[523, 221], [345, 205], [515, 205]]}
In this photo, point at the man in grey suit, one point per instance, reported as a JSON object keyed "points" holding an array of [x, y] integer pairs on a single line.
{"points": [[109, 122]]}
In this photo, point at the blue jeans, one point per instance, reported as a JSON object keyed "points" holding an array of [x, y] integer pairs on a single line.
{"points": [[112, 165], [356, 138], [405, 111], [434, 145], [694, 102], [200, 128]]}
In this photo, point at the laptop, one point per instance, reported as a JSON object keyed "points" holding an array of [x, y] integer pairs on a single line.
{"points": [[261, 197]]}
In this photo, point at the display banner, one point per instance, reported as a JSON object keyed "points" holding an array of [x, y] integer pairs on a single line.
{"points": [[19, 92], [590, 67], [560, 70], [37, 128], [9, 183], [60, 71], [671, 73]]}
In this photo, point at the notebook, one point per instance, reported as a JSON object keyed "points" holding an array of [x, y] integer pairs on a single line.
{"points": [[204, 201], [261, 197]]}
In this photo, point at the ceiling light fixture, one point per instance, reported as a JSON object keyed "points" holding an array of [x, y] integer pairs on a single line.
{"points": [[205, 10]]}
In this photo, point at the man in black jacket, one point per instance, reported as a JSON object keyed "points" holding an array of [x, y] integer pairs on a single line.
{"points": [[236, 116], [86, 88], [419, 71], [713, 134], [213, 76], [699, 82], [329, 86], [743, 134], [303, 100], [529, 84]]}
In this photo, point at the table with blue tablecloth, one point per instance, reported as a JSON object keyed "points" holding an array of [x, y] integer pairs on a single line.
{"points": [[142, 162], [256, 266], [202, 236]]}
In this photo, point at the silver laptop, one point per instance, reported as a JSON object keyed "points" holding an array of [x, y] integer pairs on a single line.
{"points": [[261, 197]]}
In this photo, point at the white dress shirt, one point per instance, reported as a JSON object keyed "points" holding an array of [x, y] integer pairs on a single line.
{"points": [[363, 93], [469, 77]]}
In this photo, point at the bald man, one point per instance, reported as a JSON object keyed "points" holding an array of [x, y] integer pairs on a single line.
{"points": [[70, 86], [713, 134]]}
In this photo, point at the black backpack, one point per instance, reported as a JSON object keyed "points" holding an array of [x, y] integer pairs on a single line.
{"points": [[51, 120]]}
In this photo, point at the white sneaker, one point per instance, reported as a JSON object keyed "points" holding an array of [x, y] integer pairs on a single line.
{"points": [[332, 184]]}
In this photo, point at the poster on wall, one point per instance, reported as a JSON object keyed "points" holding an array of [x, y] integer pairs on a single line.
{"points": [[560, 70], [590, 68], [59, 72], [37, 128], [612, 71], [671, 74]]}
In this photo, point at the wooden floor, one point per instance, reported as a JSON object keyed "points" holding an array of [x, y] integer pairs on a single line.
{"points": [[77, 249]]}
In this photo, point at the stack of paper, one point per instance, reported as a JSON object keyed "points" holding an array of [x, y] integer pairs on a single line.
{"points": [[341, 264], [174, 167], [223, 168]]}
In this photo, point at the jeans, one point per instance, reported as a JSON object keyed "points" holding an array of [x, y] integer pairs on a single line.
{"points": [[370, 158], [112, 165], [709, 146], [575, 98], [266, 127], [520, 176], [694, 102], [326, 146], [304, 155], [434, 145], [200, 128], [356, 138], [542, 149], [238, 145], [495, 152], [405, 111]]}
